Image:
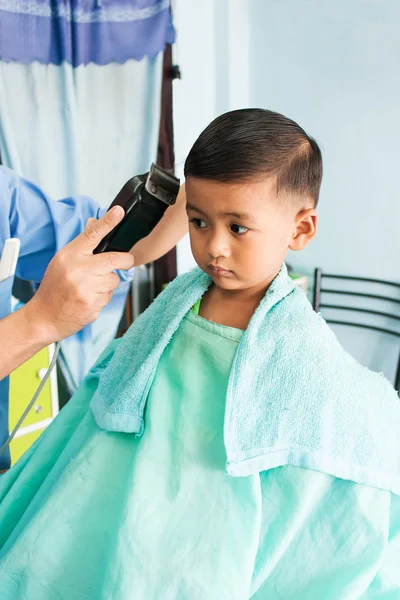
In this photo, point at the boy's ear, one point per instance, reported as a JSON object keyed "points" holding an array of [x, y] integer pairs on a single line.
{"points": [[306, 228]]}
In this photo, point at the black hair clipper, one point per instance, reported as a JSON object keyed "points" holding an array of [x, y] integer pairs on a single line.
{"points": [[145, 198]]}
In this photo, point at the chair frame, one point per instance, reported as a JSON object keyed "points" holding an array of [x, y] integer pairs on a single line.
{"points": [[319, 275]]}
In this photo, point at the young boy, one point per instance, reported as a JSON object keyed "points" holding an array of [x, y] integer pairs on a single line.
{"points": [[232, 449]]}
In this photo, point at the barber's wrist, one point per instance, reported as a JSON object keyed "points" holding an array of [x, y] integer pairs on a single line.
{"points": [[39, 325], [22, 334]]}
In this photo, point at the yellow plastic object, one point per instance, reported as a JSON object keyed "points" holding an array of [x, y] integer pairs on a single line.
{"points": [[24, 382]]}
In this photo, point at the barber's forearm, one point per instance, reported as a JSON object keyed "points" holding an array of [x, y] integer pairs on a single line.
{"points": [[22, 334]]}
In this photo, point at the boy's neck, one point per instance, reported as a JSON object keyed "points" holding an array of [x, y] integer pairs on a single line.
{"points": [[233, 308]]}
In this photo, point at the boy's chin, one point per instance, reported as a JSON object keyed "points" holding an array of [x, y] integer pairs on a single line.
{"points": [[229, 284]]}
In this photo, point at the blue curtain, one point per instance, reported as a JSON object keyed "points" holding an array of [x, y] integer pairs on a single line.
{"points": [[82, 129], [83, 31]]}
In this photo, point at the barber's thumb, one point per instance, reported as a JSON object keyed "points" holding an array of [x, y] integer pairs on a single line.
{"points": [[96, 230]]}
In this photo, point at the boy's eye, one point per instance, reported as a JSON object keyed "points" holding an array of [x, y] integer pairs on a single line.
{"points": [[239, 229], [198, 223]]}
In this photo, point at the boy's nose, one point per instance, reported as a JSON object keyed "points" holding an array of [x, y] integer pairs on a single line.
{"points": [[218, 246]]}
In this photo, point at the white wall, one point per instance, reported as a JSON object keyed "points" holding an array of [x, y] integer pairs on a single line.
{"points": [[333, 67], [212, 51]]}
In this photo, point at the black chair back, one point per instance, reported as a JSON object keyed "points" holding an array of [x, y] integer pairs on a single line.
{"points": [[343, 289]]}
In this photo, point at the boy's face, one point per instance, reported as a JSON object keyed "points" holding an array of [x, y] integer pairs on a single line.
{"points": [[241, 233]]}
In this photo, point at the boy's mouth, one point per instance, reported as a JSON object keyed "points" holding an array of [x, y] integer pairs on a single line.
{"points": [[219, 271]]}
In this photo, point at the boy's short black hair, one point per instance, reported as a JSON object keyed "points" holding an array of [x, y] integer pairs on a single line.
{"points": [[243, 145]]}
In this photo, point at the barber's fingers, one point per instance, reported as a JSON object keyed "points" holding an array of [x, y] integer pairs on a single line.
{"points": [[108, 283], [105, 299], [101, 302], [96, 230], [106, 262]]}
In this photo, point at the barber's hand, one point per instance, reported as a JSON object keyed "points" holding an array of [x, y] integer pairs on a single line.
{"points": [[77, 283]]}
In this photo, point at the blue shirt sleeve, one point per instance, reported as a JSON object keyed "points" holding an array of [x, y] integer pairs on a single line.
{"points": [[42, 224]]}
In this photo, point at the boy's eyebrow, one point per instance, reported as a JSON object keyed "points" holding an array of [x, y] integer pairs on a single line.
{"points": [[241, 216], [191, 207]]}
